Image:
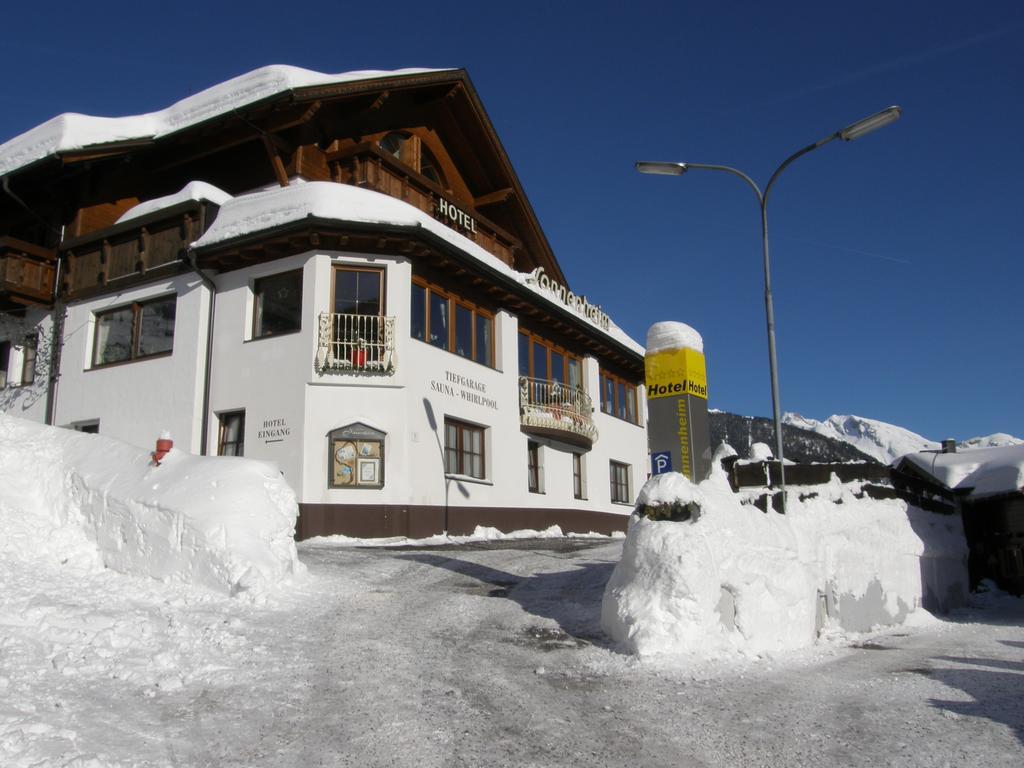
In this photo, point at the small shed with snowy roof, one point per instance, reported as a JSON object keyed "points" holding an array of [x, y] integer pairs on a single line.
{"points": [[338, 272], [987, 485]]}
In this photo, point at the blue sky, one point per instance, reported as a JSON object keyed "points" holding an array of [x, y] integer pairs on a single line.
{"points": [[896, 260]]}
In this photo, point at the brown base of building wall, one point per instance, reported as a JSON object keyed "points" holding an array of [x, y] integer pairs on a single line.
{"points": [[368, 521]]}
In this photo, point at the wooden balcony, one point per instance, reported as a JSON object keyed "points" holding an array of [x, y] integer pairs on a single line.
{"points": [[131, 251], [366, 166], [27, 274], [553, 409], [356, 344]]}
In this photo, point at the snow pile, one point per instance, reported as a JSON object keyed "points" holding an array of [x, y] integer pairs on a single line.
{"points": [[736, 580], [70, 131], [260, 211], [194, 190], [226, 524]]}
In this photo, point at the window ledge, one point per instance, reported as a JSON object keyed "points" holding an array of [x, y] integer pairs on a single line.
{"points": [[468, 479]]}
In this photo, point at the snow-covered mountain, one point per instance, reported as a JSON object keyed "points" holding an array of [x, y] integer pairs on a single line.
{"points": [[885, 442]]}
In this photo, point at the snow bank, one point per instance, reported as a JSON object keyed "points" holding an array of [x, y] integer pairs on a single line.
{"points": [[736, 580], [480, 533], [222, 523]]}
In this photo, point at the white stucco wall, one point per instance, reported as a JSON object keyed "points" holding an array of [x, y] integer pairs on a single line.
{"points": [[135, 401], [274, 380]]}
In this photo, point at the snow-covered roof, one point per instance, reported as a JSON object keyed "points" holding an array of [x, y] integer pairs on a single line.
{"points": [[262, 211], [71, 131], [983, 471], [194, 190]]}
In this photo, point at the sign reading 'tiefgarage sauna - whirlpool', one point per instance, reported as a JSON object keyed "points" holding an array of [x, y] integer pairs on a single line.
{"points": [[677, 393]]}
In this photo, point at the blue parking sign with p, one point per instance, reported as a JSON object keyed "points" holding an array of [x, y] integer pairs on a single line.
{"points": [[661, 462]]}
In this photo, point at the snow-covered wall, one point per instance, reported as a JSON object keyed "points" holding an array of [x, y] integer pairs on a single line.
{"points": [[223, 523], [738, 580]]}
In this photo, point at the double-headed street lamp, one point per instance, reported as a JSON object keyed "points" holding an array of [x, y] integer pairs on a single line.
{"points": [[849, 133]]}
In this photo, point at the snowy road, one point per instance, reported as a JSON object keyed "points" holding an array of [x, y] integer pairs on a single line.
{"points": [[477, 655]]}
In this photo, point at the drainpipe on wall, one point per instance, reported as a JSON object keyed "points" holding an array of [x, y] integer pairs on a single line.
{"points": [[208, 367], [56, 342]]}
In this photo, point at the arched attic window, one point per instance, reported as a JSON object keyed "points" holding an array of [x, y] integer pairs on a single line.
{"points": [[403, 147]]}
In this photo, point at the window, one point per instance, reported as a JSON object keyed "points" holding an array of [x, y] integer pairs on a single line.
{"points": [[5, 360], [451, 323], [463, 449], [356, 457], [577, 477], [618, 397], [358, 291], [620, 483], [143, 329], [410, 151], [28, 360], [231, 441], [540, 359], [277, 301], [533, 469]]}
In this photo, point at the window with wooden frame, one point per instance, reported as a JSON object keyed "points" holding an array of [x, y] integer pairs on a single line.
{"points": [[620, 482], [449, 322], [464, 449], [541, 359], [533, 467], [139, 330], [618, 397], [28, 359], [578, 487], [410, 150], [231, 437], [277, 304]]}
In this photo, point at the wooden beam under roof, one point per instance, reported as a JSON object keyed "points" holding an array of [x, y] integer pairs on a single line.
{"points": [[498, 196], [275, 161]]}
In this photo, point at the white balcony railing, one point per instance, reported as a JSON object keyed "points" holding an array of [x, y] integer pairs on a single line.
{"points": [[356, 344], [551, 405]]}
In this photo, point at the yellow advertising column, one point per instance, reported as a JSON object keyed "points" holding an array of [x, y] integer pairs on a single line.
{"points": [[678, 431]]}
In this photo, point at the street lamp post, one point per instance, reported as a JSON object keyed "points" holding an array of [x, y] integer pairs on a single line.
{"points": [[849, 133]]}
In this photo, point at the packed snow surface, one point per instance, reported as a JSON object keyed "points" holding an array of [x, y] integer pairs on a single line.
{"points": [[885, 442], [738, 580], [670, 334], [260, 211], [226, 524], [194, 190], [70, 131]]}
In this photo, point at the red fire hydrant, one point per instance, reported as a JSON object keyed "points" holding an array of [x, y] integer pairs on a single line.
{"points": [[163, 447]]}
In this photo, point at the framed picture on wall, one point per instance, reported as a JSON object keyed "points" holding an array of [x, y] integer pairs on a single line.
{"points": [[356, 457]]}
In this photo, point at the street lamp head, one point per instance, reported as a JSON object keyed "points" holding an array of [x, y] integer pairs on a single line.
{"points": [[662, 169], [869, 124]]}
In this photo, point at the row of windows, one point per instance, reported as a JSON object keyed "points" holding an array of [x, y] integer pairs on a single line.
{"points": [[464, 454], [437, 317], [447, 322]]}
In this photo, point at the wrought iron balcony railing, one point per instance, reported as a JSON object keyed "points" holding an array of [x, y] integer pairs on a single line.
{"points": [[356, 344], [557, 409]]}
